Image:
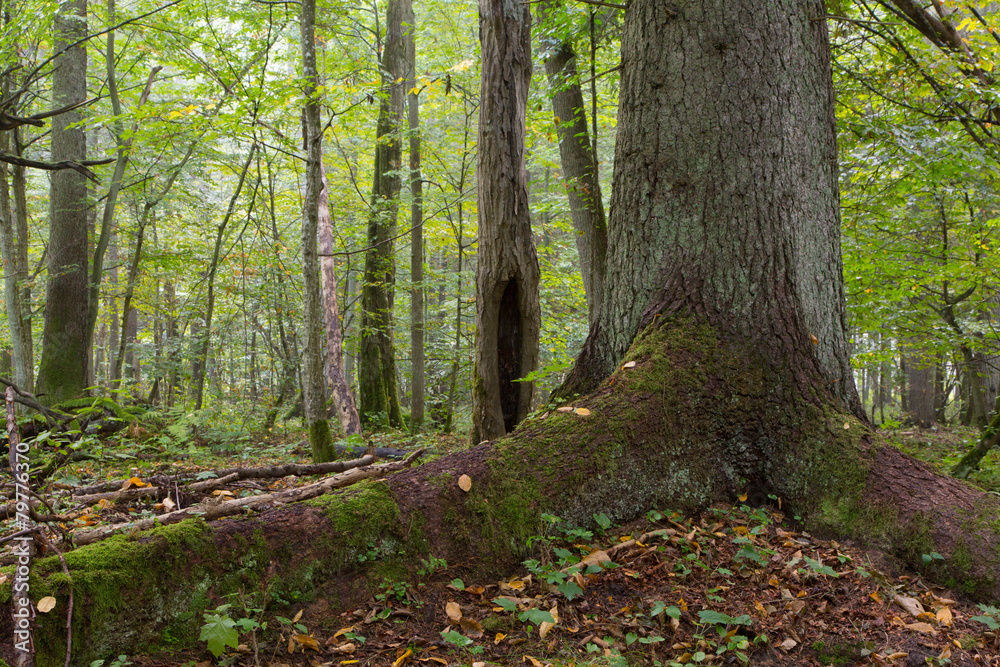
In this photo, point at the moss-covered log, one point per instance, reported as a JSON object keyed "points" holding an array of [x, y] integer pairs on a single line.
{"points": [[659, 434]]}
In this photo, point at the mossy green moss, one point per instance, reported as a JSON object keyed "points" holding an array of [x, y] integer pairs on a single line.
{"points": [[148, 590]]}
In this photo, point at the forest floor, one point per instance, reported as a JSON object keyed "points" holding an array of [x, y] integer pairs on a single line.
{"points": [[733, 585]]}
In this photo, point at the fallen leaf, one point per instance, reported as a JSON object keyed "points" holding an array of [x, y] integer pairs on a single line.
{"points": [[847, 425], [925, 628], [743, 498], [46, 604], [814, 339], [345, 648], [133, 483], [454, 611], [545, 627], [472, 628], [344, 631], [788, 644], [875, 596], [583, 412], [629, 364], [306, 641], [598, 557], [565, 409], [516, 584], [298, 616], [911, 605], [896, 656], [534, 661], [168, 504], [221, 493], [401, 659], [465, 483], [499, 638], [945, 654]]}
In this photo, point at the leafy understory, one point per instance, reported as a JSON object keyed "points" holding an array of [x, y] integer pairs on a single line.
{"points": [[732, 586]]}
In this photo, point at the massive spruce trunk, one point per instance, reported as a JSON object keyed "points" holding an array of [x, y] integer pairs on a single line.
{"points": [[508, 316], [62, 369], [740, 382]]}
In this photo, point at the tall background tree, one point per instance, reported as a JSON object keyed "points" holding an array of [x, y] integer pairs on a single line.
{"points": [[62, 368]]}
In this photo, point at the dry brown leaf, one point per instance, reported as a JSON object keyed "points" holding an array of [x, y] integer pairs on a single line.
{"points": [[465, 483], [565, 408], [788, 644], [598, 557], [545, 627], [534, 661], [924, 628], [910, 605], [345, 649], [168, 504], [945, 654], [471, 627], [298, 616], [46, 604], [454, 611], [898, 655]]}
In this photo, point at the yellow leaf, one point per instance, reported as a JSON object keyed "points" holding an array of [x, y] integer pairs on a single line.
{"points": [[875, 596], [534, 661], [499, 638], [743, 499], [306, 641], [545, 626], [454, 612], [46, 604], [344, 631], [896, 656], [814, 339], [297, 616], [583, 412], [847, 425], [465, 483], [348, 662], [516, 584], [401, 659], [133, 483], [944, 616]]}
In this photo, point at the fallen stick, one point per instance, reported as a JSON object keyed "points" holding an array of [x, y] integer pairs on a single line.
{"points": [[263, 472], [214, 509]]}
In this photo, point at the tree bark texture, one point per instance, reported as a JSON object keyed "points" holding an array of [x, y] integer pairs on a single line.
{"points": [[416, 228], [343, 400], [920, 387], [313, 387], [377, 363], [508, 315], [17, 290], [62, 369], [579, 164], [726, 145]]}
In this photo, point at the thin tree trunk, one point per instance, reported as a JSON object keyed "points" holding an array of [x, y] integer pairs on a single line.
{"points": [[340, 390], [579, 163], [122, 150], [416, 230], [508, 314], [17, 290], [62, 369], [313, 388], [377, 364], [198, 380]]}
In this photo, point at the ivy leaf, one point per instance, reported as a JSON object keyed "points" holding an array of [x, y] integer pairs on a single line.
{"points": [[505, 603], [570, 589], [819, 567]]}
